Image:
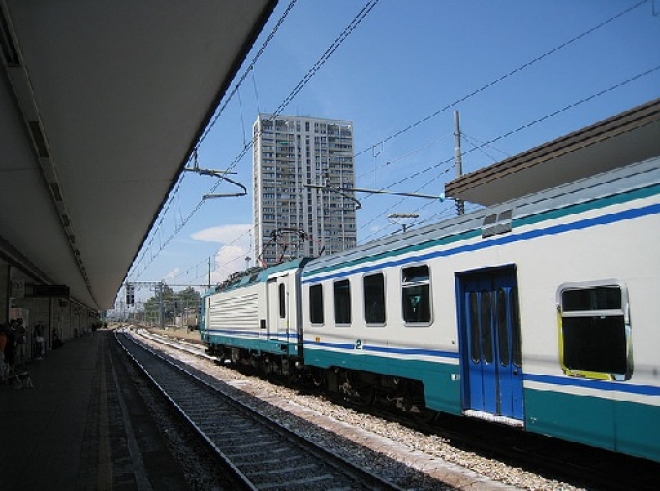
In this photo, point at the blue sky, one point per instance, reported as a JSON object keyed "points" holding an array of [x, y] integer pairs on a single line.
{"points": [[519, 72]]}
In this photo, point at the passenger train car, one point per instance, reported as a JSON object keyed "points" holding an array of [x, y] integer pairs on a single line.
{"points": [[542, 313]]}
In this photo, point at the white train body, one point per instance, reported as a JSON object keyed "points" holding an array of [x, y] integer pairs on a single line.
{"points": [[258, 312], [542, 313]]}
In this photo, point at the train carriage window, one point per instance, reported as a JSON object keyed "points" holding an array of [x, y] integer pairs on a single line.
{"points": [[415, 292], [282, 299], [503, 328], [374, 298], [515, 323], [342, 291], [594, 330], [475, 338], [486, 326], [316, 304]]}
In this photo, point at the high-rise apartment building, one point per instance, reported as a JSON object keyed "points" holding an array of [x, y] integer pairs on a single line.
{"points": [[291, 219]]}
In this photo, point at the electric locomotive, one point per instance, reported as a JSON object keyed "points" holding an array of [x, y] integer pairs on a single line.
{"points": [[253, 319]]}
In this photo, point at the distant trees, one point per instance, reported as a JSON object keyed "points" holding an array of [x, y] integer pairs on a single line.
{"points": [[174, 304]]}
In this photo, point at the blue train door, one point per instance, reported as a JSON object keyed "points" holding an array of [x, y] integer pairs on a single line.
{"points": [[490, 342]]}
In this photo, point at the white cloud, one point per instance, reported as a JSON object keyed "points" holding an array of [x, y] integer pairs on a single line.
{"points": [[228, 260], [236, 247], [172, 273], [225, 234]]}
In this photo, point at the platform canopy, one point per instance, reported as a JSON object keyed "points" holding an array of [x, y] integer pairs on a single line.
{"points": [[623, 139], [101, 104]]}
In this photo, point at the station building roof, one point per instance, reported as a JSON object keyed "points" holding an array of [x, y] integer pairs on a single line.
{"points": [[101, 105], [628, 137]]}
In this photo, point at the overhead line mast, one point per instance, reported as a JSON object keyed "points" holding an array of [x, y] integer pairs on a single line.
{"points": [[460, 205]]}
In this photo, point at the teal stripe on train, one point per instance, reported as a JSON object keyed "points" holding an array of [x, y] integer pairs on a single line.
{"points": [[620, 426], [255, 344], [441, 381]]}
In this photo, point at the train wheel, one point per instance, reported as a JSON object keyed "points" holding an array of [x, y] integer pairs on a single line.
{"points": [[424, 415], [365, 396]]}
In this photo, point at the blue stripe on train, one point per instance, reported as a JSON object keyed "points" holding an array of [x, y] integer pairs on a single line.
{"points": [[604, 385], [350, 349], [609, 218]]}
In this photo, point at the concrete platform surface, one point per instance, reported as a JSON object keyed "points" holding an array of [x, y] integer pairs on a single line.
{"points": [[83, 426]]}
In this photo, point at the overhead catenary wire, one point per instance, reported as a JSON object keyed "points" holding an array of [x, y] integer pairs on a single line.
{"points": [[391, 208], [406, 155], [501, 78], [471, 94], [313, 70], [536, 121], [449, 161], [574, 104], [308, 76], [479, 145], [327, 54], [208, 129], [214, 255], [507, 75], [247, 71], [513, 131]]}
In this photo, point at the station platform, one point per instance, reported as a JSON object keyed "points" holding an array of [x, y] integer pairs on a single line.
{"points": [[83, 426]]}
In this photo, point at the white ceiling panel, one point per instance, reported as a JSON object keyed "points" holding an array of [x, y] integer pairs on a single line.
{"points": [[100, 106]]}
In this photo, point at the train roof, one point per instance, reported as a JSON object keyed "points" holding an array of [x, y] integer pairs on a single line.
{"points": [[495, 219], [255, 275]]}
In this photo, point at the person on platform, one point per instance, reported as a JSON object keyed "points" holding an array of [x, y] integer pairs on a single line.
{"points": [[39, 341], [21, 339], [10, 346]]}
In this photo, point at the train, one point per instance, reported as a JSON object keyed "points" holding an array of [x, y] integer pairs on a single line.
{"points": [[542, 313]]}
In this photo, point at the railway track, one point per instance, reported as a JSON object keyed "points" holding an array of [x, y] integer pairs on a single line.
{"points": [[261, 453], [556, 460]]}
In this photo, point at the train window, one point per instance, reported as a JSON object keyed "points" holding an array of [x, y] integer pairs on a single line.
{"points": [[588, 299], [416, 295], [282, 299], [486, 332], [594, 330], [374, 298], [342, 291], [475, 348], [503, 328], [316, 304], [490, 219], [515, 325]]}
